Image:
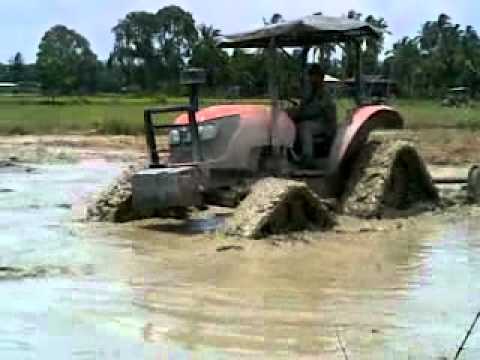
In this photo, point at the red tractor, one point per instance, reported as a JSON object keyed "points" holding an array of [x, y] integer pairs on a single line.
{"points": [[220, 150]]}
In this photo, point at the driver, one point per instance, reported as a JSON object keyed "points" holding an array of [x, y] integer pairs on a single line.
{"points": [[317, 114]]}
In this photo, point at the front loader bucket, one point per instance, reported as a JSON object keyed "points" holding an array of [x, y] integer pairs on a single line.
{"points": [[156, 190]]}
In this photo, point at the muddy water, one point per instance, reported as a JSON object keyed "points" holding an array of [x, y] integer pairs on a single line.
{"points": [[159, 290]]}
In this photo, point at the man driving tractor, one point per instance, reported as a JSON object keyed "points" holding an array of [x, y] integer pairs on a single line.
{"points": [[316, 115]]}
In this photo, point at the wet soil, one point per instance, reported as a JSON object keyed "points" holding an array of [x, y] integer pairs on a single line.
{"points": [[114, 203], [277, 206], [8, 273], [448, 147], [387, 174], [437, 146], [179, 289], [384, 288], [69, 148]]}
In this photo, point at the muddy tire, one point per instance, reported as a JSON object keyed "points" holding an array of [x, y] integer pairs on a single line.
{"points": [[278, 206], [474, 184], [387, 175]]}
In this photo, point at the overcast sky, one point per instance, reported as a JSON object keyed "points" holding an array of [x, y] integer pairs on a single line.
{"points": [[24, 22]]}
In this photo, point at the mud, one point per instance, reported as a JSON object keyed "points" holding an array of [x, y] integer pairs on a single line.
{"points": [[277, 206], [388, 180], [153, 289], [114, 204], [387, 176], [449, 146], [290, 299], [8, 273], [64, 149], [12, 164]]}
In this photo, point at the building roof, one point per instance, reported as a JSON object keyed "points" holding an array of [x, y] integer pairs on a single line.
{"points": [[308, 31], [371, 79], [8, 85], [331, 79]]}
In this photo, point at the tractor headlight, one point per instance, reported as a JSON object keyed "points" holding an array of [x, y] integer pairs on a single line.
{"points": [[174, 137], [208, 132], [185, 136]]}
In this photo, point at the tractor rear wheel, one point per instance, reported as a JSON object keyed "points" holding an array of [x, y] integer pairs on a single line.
{"points": [[387, 176], [474, 184]]}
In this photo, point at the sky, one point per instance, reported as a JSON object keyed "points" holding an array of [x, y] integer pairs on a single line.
{"points": [[24, 22]]}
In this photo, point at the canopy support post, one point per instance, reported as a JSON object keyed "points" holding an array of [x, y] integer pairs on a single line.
{"points": [[304, 62], [359, 90], [273, 90]]}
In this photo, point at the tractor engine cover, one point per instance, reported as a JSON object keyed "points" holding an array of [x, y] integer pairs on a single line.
{"points": [[155, 190]]}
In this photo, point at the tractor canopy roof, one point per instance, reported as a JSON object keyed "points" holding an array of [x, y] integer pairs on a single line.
{"points": [[308, 31]]}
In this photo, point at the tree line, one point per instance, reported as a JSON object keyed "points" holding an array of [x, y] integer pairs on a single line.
{"points": [[443, 55], [151, 49]]}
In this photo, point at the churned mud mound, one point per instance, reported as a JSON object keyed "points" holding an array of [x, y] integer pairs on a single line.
{"points": [[114, 204], [387, 175], [276, 206]]}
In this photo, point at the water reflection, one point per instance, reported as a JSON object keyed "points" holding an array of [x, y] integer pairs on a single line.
{"points": [[271, 300]]}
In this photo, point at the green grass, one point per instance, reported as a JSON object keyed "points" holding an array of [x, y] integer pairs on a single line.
{"points": [[109, 115], [423, 114], [124, 114]]}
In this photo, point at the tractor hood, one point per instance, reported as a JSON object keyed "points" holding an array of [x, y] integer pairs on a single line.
{"points": [[219, 112], [250, 115], [242, 131]]}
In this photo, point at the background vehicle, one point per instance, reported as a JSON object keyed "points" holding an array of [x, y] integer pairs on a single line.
{"points": [[459, 96]]}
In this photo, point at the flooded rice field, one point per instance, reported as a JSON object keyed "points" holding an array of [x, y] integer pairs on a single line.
{"points": [[156, 290]]}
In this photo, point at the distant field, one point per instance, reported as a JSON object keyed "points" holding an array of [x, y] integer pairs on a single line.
{"points": [[124, 115], [109, 115]]}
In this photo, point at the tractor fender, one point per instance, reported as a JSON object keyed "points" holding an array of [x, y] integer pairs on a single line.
{"points": [[353, 134]]}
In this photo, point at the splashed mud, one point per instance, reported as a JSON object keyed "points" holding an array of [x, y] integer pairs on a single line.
{"points": [[114, 204]]}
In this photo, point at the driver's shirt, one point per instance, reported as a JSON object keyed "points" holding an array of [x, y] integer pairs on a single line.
{"points": [[318, 106]]}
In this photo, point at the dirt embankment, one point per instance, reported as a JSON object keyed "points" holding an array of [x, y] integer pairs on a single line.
{"points": [[448, 147], [70, 148], [437, 146]]}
